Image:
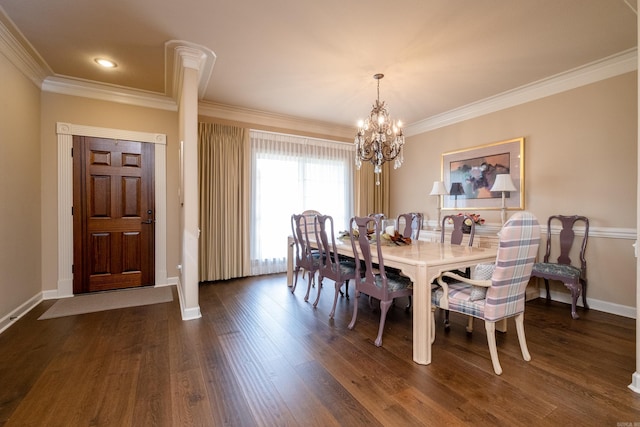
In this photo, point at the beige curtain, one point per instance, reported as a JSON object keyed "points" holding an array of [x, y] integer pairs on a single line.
{"points": [[369, 197], [223, 172]]}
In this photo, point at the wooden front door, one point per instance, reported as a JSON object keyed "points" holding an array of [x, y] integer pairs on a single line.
{"points": [[113, 214]]}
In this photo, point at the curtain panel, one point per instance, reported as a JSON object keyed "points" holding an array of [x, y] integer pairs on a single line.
{"points": [[223, 171], [369, 197], [291, 174]]}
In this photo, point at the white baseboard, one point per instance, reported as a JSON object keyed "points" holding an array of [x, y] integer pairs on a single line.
{"points": [[191, 313], [23, 309], [54, 294], [187, 313], [607, 307], [171, 281], [635, 382]]}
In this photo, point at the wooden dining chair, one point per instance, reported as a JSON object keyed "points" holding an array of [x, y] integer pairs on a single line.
{"points": [[505, 288], [573, 277], [456, 238], [334, 267], [306, 259], [457, 229], [412, 224], [374, 281]]}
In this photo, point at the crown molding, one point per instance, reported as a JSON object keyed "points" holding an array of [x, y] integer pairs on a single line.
{"points": [[273, 120], [614, 65], [111, 93], [178, 55], [20, 53]]}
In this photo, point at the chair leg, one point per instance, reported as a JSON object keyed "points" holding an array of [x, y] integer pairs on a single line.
{"points": [[315, 303], [470, 324], [295, 280], [575, 293], [501, 325], [312, 276], [346, 289], [384, 309], [355, 312], [584, 294], [521, 338], [546, 286], [335, 299], [493, 350], [447, 325]]}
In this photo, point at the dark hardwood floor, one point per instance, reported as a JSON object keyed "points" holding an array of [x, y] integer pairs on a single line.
{"points": [[262, 356]]}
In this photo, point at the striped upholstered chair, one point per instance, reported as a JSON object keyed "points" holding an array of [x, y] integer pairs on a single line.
{"points": [[505, 284]]}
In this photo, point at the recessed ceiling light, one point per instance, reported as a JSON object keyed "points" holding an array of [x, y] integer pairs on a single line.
{"points": [[106, 63]]}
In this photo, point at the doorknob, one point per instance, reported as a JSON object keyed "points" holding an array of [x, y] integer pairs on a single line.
{"points": [[149, 221]]}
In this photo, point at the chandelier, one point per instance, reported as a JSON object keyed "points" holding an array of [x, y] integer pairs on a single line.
{"points": [[379, 139]]}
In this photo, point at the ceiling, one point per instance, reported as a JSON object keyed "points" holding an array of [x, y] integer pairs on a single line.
{"points": [[316, 59]]}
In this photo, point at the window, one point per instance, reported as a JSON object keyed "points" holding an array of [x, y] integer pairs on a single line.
{"points": [[291, 174]]}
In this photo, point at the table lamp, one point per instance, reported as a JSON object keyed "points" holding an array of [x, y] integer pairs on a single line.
{"points": [[438, 190], [503, 183], [456, 190]]}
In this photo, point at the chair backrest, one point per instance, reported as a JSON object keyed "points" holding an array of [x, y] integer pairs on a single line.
{"points": [[296, 239], [309, 220], [362, 253], [517, 251], [412, 224], [301, 240], [326, 245], [567, 237], [456, 233]]}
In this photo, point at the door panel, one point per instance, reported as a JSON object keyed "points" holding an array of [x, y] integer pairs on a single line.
{"points": [[113, 214]]}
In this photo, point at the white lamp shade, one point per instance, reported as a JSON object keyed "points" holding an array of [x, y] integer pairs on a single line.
{"points": [[438, 189], [503, 183]]}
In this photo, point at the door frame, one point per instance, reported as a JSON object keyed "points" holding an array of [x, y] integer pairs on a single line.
{"points": [[65, 133]]}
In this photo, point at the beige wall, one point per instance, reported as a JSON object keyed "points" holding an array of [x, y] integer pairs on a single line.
{"points": [[580, 157], [580, 143], [89, 112], [19, 190]]}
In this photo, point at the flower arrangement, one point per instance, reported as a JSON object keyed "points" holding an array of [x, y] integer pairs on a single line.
{"points": [[475, 217]]}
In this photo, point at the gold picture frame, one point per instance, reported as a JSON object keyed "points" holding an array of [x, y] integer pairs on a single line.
{"points": [[475, 169]]}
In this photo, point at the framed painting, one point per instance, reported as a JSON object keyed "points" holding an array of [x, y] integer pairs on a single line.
{"points": [[469, 174]]}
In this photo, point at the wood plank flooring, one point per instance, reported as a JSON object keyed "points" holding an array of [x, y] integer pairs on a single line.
{"points": [[261, 356]]}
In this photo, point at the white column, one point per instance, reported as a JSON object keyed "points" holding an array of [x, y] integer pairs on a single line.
{"points": [[191, 61]]}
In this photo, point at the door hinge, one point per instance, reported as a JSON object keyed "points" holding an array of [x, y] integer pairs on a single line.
{"points": [[71, 151], [71, 210]]}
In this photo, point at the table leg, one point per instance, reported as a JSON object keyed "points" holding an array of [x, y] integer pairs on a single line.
{"points": [[421, 317], [289, 262]]}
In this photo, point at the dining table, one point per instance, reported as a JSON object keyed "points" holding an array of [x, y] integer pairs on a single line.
{"points": [[422, 262]]}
